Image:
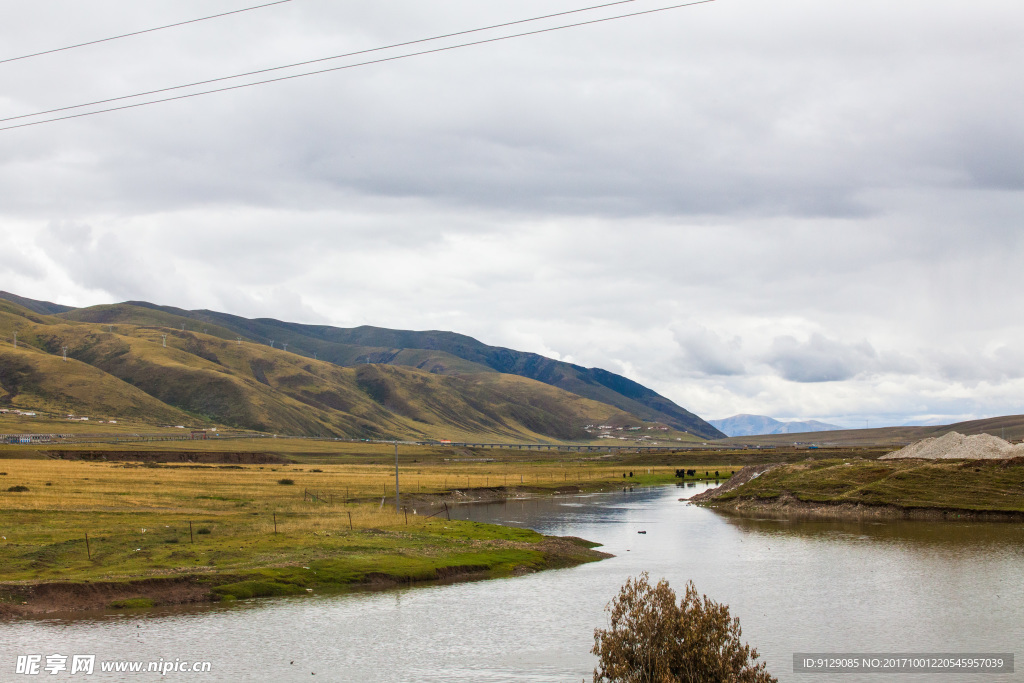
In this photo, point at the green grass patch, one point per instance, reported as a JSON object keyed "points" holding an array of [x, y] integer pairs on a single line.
{"points": [[132, 603], [243, 590], [342, 572], [989, 485]]}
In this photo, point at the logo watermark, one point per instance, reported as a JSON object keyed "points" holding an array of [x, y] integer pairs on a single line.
{"points": [[86, 665]]}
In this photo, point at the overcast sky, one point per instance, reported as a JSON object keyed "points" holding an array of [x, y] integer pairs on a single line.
{"points": [[791, 208]]}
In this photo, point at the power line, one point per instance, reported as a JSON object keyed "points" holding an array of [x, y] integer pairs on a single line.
{"points": [[138, 33], [315, 61], [337, 68]]}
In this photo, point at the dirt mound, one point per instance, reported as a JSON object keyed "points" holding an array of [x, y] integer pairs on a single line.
{"points": [[172, 456], [955, 446]]}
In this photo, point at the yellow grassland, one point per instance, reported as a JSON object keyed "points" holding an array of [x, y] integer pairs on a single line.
{"points": [[77, 486]]}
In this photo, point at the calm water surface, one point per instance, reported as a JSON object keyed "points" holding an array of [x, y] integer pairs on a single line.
{"points": [[804, 586]]}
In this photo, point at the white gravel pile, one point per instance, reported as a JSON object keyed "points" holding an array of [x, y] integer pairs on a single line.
{"points": [[954, 445]]}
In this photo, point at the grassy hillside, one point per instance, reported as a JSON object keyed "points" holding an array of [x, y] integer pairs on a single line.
{"points": [[33, 377], [272, 332], [441, 352], [140, 316], [126, 370], [32, 380]]}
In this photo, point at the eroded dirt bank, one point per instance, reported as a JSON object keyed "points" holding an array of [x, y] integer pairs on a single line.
{"points": [[739, 479], [787, 505]]}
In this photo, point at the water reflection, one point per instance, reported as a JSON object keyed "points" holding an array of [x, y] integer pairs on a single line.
{"points": [[961, 536]]}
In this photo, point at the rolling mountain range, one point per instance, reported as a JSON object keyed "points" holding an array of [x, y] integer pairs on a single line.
{"points": [[166, 364], [755, 425]]}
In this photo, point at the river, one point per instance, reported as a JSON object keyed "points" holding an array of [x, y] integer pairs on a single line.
{"points": [[797, 586]]}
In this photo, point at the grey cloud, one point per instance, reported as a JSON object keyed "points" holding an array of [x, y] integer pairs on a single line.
{"points": [[108, 262], [704, 352], [820, 359], [996, 366], [22, 266], [726, 110]]}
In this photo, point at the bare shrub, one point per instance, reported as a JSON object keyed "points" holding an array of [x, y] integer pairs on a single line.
{"points": [[654, 640]]}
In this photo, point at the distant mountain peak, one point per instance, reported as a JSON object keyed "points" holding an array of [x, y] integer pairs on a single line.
{"points": [[759, 425]]}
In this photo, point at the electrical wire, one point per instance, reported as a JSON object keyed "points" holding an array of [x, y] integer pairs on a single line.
{"points": [[316, 61], [138, 33], [347, 66]]}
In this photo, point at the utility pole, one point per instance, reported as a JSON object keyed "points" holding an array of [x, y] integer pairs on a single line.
{"points": [[398, 500], [286, 347], [239, 339], [165, 340], [271, 343], [64, 350]]}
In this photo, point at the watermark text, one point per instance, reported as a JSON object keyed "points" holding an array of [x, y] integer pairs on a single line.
{"points": [[86, 665]]}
